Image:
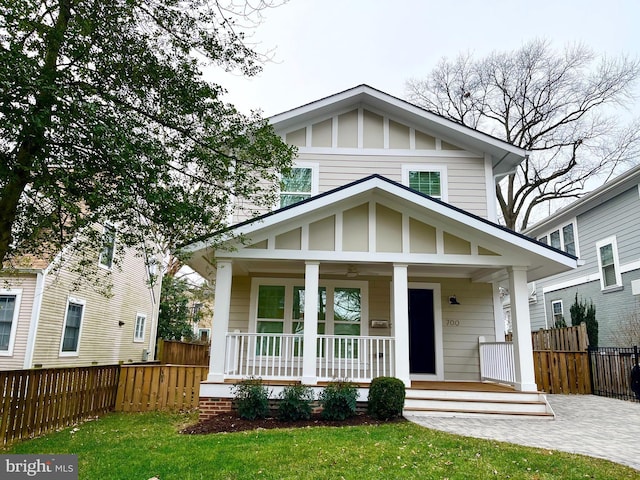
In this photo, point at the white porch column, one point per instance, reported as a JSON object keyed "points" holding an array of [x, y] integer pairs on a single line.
{"points": [[521, 324], [401, 322], [309, 354], [220, 320]]}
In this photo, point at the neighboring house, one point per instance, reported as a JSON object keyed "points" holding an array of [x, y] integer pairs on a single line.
{"points": [[389, 215], [602, 229], [47, 320]]}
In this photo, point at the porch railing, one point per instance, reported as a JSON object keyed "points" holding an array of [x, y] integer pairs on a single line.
{"points": [[496, 361], [279, 356]]}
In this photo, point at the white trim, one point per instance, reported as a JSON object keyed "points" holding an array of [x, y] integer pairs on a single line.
{"points": [[35, 320], [421, 167], [616, 262], [75, 301], [137, 339], [389, 152], [437, 326], [560, 229], [492, 199], [315, 178], [17, 293]]}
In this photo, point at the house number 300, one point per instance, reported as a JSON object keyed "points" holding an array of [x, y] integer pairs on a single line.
{"points": [[453, 323]]}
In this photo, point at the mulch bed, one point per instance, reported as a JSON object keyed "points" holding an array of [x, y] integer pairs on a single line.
{"points": [[233, 423]]}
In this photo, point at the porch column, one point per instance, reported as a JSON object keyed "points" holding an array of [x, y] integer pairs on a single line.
{"points": [[309, 354], [401, 322], [220, 320], [521, 324]]}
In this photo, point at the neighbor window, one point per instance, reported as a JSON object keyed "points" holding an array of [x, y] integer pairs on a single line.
{"points": [[558, 313], [72, 327], [608, 263], [138, 333], [427, 179], [562, 239], [298, 185], [108, 246], [9, 305]]}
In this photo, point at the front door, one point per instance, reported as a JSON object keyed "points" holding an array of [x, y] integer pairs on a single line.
{"points": [[422, 347]]}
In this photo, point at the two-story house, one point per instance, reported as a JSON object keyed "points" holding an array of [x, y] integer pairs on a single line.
{"points": [[48, 318], [602, 230], [389, 218]]}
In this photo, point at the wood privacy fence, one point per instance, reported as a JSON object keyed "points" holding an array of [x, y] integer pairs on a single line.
{"points": [[182, 353], [570, 339], [35, 402], [611, 371], [159, 387]]}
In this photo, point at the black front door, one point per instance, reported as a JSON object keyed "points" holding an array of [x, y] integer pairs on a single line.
{"points": [[422, 346]]}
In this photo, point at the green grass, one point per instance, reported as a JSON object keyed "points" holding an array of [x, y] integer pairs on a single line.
{"points": [[141, 446]]}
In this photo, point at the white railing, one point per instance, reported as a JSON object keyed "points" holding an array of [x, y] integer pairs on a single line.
{"points": [[279, 356], [497, 361]]}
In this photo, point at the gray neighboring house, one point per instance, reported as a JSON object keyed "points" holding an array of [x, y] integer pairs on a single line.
{"points": [[602, 229]]}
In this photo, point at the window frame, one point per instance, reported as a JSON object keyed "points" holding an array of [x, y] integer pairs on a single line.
{"points": [[104, 249], [17, 294], [137, 338], [314, 167], [545, 238], [420, 167], [76, 301], [553, 313], [616, 263]]}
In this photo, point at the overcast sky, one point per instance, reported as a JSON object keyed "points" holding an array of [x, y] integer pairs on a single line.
{"points": [[326, 46]]}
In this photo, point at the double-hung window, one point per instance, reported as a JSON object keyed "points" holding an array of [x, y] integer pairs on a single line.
{"points": [[299, 184], [9, 306], [558, 313], [108, 246], [72, 327], [563, 238], [608, 263], [138, 331], [427, 179]]}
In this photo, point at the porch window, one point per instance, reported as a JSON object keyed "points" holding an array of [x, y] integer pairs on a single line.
{"points": [[270, 317], [427, 179], [609, 264], [347, 318], [298, 316], [300, 184]]}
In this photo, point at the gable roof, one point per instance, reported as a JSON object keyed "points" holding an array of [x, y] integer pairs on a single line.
{"points": [[505, 156], [543, 259], [611, 189]]}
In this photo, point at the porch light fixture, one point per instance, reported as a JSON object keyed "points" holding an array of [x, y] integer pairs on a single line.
{"points": [[453, 300]]}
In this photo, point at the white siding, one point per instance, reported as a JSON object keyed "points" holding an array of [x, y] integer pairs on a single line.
{"points": [[27, 284]]}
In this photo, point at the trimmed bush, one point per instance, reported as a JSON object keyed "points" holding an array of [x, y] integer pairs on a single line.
{"points": [[251, 398], [295, 403], [338, 400], [386, 398]]}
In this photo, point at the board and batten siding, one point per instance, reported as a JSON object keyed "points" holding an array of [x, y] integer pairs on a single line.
{"points": [[103, 341], [27, 285]]}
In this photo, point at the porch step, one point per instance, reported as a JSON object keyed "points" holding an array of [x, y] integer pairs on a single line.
{"points": [[474, 404]]}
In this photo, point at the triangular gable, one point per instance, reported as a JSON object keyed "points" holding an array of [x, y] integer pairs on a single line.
{"points": [[331, 121]]}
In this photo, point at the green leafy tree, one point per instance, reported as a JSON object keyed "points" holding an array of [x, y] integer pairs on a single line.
{"points": [[175, 319], [105, 116], [553, 104], [583, 312]]}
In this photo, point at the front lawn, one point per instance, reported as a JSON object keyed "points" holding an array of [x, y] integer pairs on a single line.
{"points": [[140, 446]]}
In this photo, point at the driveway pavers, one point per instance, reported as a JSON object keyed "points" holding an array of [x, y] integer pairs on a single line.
{"points": [[587, 424]]}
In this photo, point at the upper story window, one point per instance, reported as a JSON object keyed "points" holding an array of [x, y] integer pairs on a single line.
{"points": [[563, 239], [300, 184], [558, 313], [609, 263], [427, 179], [9, 306], [108, 246], [72, 327]]}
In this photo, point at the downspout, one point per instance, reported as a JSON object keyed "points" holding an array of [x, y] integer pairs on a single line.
{"points": [[35, 319]]}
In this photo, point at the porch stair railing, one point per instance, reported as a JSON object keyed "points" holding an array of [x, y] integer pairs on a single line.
{"points": [[279, 357], [497, 362]]}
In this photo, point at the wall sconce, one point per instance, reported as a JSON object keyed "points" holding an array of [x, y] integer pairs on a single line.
{"points": [[120, 323], [453, 300]]}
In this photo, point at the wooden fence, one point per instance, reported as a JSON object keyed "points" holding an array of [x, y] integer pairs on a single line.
{"points": [[611, 371], [159, 387], [562, 372], [182, 353], [569, 339], [37, 401]]}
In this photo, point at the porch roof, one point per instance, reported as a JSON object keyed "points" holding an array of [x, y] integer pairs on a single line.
{"points": [[505, 247]]}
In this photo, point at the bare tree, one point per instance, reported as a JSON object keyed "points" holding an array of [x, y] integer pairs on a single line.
{"points": [[554, 104]]}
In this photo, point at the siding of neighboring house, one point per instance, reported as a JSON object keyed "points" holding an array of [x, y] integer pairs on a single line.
{"points": [[102, 339], [27, 285], [617, 217]]}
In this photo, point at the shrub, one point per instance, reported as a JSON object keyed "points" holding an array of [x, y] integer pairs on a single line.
{"points": [[295, 403], [581, 312], [251, 398], [386, 398], [338, 400]]}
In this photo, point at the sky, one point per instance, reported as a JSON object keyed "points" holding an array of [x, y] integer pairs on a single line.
{"points": [[322, 47]]}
